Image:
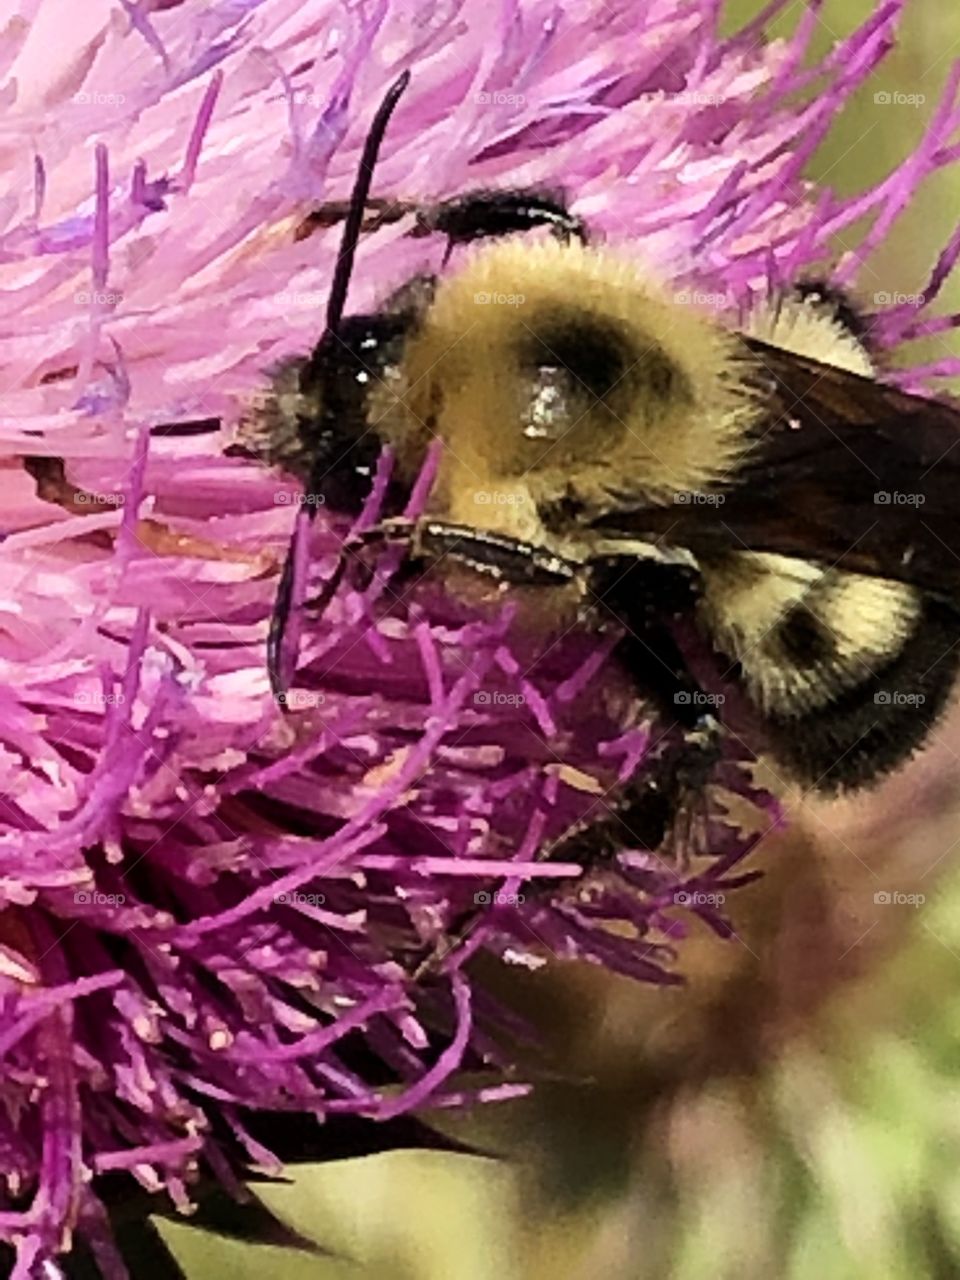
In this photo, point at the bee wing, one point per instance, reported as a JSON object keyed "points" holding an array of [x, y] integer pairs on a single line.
{"points": [[843, 470]]}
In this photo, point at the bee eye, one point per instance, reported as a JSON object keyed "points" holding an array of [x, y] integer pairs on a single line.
{"points": [[333, 401]]}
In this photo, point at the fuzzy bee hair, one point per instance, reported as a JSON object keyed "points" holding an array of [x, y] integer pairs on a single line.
{"points": [[567, 383], [612, 451]]}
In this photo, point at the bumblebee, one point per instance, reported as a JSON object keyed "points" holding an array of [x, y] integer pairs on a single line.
{"points": [[761, 487]]}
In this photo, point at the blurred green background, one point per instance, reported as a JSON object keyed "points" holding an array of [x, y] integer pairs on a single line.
{"points": [[795, 1111]]}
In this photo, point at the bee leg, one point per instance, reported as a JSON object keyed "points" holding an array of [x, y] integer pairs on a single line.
{"points": [[277, 656], [642, 813], [366, 572], [382, 212], [53, 485], [396, 531], [478, 215], [487, 215], [430, 960], [642, 597], [638, 815], [499, 555]]}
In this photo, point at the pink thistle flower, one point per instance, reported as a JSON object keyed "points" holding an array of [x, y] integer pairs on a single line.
{"points": [[209, 907]]}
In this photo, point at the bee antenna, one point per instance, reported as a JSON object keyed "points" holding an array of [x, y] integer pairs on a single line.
{"points": [[280, 643], [358, 203]]}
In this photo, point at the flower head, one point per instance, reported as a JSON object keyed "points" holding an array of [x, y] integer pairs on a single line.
{"points": [[209, 908]]}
